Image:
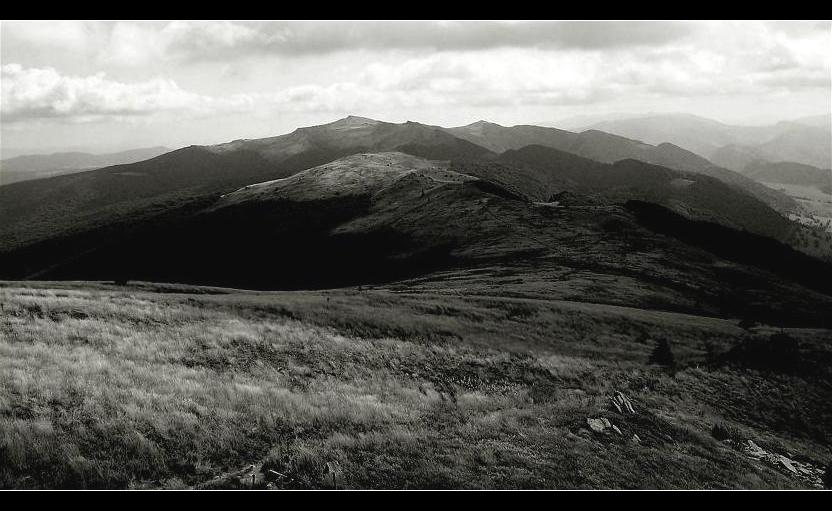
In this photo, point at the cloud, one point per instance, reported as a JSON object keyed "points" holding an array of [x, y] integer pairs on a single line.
{"points": [[668, 57], [493, 65], [138, 42], [43, 93], [200, 40], [35, 93], [64, 34]]}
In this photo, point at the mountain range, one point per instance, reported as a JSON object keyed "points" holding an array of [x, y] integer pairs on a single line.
{"points": [[806, 140], [359, 201]]}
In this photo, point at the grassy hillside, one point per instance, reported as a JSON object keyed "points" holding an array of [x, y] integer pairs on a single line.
{"points": [[173, 386], [790, 173], [695, 195], [385, 216], [97, 205], [37, 211], [609, 148], [382, 217]]}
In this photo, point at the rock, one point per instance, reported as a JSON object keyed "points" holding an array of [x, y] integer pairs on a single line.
{"points": [[803, 470], [598, 425], [621, 404], [754, 450], [786, 462]]}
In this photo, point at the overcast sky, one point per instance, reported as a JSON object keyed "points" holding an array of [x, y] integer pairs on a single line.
{"points": [[102, 86]]}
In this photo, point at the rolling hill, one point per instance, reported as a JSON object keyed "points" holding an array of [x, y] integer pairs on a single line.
{"points": [[358, 201], [807, 141], [43, 209], [693, 195], [790, 173], [474, 328], [372, 218], [608, 148]]}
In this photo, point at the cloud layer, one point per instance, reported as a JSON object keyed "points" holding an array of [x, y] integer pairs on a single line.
{"points": [[210, 40], [112, 72], [43, 93]]}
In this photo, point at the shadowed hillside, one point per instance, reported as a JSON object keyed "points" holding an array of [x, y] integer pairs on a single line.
{"points": [[383, 217], [694, 195], [35, 211]]}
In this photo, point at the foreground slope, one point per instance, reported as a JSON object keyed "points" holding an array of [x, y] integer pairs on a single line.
{"points": [[179, 387]]}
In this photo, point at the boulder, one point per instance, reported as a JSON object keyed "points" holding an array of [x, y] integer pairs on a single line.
{"points": [[754, 450], [598, 425]]}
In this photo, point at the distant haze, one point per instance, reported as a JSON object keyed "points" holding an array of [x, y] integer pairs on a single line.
{"points": [[98, 86]]}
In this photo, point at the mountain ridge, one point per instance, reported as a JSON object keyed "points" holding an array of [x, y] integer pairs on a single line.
{"points": [[804, 140], [106, 200]]}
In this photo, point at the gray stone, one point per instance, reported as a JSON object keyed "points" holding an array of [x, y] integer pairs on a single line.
{"points": [[598, 425], [622, 404], [786, 462]]}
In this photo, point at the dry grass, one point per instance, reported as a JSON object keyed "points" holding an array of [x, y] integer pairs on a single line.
{"points": [[108, 388]]}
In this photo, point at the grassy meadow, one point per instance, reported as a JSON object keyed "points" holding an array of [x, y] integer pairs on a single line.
{"points": [[152, 386]]}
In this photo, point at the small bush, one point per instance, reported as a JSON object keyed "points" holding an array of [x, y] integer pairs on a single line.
{"points": [[711, 355], [721, 431], [662, 355], [778, 353], [747, 324]]}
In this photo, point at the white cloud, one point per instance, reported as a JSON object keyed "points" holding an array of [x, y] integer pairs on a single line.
{"points": [[129, 71], [70, 35], [132, 44], [215, 40], [29, 93]]}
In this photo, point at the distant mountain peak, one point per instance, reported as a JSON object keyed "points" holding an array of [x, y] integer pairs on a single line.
{"points": [[477, 128], [354, 120], [481, 124]]}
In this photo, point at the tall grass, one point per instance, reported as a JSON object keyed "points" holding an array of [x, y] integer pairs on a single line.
{"points": [[110, 389]]}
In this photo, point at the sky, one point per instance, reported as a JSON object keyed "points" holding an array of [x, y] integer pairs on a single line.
{"points": [[102, 86]]}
